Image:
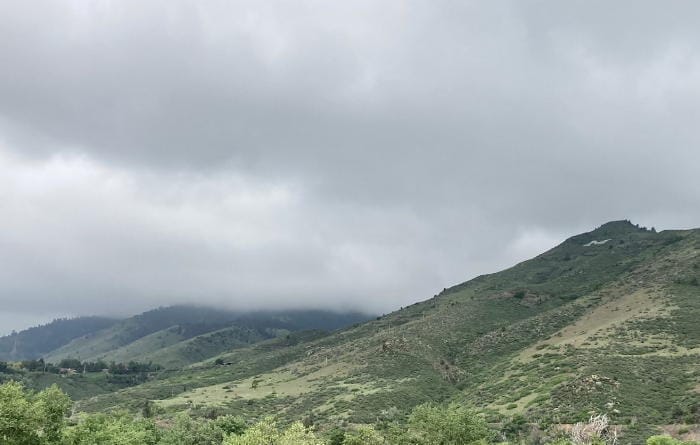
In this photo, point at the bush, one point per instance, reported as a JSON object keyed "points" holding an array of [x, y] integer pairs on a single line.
{"points": [[450, 425], [662, 440], [188, 431], [119, 429], [363, 435], [267, 433]]}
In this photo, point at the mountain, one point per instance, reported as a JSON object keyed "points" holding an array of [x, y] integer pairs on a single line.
{"points": [[246, 331], [605, 322], [34, 342], [93, 344], [178, 335]]}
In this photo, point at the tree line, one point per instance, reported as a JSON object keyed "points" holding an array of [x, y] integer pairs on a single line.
{"points": [[75, 365]]}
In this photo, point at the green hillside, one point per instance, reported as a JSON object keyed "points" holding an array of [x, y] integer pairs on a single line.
{"points": [[95, 344], [146, 345], [34, 342], [203, 346], [179, 335], [605, 322], [177, 346]]}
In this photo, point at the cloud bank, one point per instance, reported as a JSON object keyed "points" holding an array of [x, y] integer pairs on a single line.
{"points": [[313, 154]]}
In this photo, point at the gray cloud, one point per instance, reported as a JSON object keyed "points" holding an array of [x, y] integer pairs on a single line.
{"points": [[318, 154]]}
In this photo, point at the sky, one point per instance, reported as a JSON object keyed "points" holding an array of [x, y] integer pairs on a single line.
{"points": [[339, 155]]}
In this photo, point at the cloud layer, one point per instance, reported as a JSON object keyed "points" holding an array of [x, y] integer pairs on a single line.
{"points": [[313, 154]]}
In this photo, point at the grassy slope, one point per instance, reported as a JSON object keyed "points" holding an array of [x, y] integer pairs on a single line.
{"points": [[171, 336], [607, 328], [206, 345], [97, 344], [34, 342], [145, 346]]}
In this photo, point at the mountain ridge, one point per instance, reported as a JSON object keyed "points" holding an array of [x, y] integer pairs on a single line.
{"points": [[583, 328], [554, 338], [35, 341]]}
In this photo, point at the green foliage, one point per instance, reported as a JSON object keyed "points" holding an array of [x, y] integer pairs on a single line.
{"points": [[53, 405], [116, 429], [28, 418], [70, 363], [266, 432], [336, 437], [19, 423], [364, 435], [450, 425], [515, 427], [667, 440], [188, 431], [230, 424]]}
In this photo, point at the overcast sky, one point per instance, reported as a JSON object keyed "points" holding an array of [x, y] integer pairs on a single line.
{"points": [[325, 154]]}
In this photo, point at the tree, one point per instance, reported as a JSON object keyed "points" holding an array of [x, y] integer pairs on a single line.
{"points": [[118, 429], [364, 435], [72, 363], [27, 418], [230, 424], [187, 431], [262, 433], [298, 434], [336, 437], [514, 427], [19, 424], [266, 432], [33, 365], [53, 405], [450, 425]]}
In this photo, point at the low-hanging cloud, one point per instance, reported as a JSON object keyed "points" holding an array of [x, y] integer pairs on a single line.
{"points": [[315, 154]]}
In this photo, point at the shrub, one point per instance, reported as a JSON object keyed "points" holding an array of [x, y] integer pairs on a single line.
{"points": [[662, 440], [188, 431], [450, 425], [119, 429], [363, 435], [266, 432]]}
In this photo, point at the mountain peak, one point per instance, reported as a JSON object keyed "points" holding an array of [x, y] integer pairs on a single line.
{"points": [[612, 230], [620, 224]]}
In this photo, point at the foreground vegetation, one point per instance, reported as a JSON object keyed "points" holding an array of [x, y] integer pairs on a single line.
{"points": [[41, 418]]}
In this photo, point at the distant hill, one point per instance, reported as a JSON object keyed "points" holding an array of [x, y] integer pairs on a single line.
{"points": [[606, 322], [249, 330], [178, 335], [197, 319], [34, 342]]}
